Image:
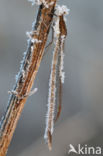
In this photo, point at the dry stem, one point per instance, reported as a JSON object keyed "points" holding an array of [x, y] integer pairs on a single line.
{"points": [[26, 75]]}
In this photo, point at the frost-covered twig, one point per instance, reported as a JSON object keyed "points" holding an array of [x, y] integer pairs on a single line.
{"points": [[58, 58], [27, 74]]}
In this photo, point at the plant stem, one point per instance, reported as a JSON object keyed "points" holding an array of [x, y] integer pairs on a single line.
{"points": [[26, 75]]}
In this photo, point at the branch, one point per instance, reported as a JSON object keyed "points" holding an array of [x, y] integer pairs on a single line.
{"points": [[27, 73]]}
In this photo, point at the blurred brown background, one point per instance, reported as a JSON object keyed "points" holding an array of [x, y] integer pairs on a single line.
{"points": [[81, 120]]}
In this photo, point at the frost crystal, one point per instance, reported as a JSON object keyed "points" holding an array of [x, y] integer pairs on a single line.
{"points": [[60, 10], [32, 1], [32, 48], [16, 77], [63, 77], [35, 40], [56, 28], [33, 24], [33, 91], [62, 74], [28, 34], [23, 73], [46, 4], [38, 2]]}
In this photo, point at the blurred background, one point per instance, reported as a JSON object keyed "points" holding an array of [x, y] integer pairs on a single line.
{"points": [[81, 120]]}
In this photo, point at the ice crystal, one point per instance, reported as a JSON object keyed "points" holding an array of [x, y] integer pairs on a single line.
{"points": [[60, 10]]}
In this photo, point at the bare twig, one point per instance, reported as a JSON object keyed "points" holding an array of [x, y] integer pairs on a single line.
{"points": [[27, 74]]}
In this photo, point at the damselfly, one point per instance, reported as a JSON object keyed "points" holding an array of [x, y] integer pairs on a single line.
{"points": [[57, 74]]}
